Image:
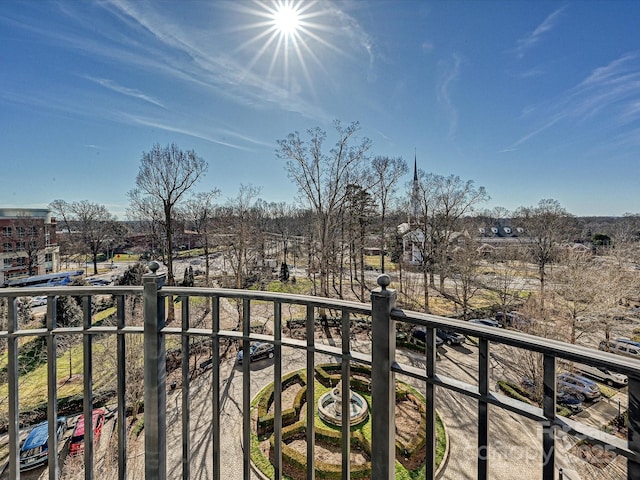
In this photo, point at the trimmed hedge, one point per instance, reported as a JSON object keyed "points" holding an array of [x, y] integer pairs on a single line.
{"points": [[326, 376], [298, 461], [289, 415]]}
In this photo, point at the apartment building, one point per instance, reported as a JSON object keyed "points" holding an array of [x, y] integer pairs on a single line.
{"points": [[29, 247]]}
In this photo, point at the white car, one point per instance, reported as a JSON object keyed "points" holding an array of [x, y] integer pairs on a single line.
{"points": [[602, 375], [37, 301]]}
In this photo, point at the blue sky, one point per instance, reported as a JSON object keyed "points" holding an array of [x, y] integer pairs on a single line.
{"points": [[531, 100]]}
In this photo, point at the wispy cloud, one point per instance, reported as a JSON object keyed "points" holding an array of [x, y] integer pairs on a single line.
{"points": [[138, 120], [609, 94], [531, 39], [130, 92], [448, 78]]}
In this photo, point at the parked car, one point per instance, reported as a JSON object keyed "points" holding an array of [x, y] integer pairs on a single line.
{"points": [[37, 301], [602, 374], [35, 449], [420, 333], [580, 386], [76, 445], [621, 346], [450, 338], [257, 351], [487, 322], [512, 319], [568, 400]]}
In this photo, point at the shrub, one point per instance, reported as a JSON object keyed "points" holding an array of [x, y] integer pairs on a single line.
{"points": [[514, 391]]}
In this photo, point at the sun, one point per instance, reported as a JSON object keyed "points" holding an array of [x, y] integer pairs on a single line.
{"points": [[293, 33], [286, 19]]}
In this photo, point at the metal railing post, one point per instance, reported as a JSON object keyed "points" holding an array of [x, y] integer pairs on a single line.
{"points": [[383, 391], [549, 411], [633, 465], [13, 382], [155, 378], [52, 388]]}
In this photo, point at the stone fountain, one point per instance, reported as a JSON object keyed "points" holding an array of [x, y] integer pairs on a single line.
{"points": [[330, 406]]}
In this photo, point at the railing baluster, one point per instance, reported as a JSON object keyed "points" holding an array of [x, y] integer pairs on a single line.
{"points": [[121, 349], [346, 401], [383, 385], [14, 405], [87, 362], [483, 409], [277, 390], [549, 412], [215, 388], [246, 390], [52, 387], [186, 420], [311, 404]]}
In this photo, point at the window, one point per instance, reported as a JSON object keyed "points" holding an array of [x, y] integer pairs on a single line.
{"points": [[7, 247], [21, 231], [7, 232], [33, 231], [8, 262], [48, 257], [21, 246]]}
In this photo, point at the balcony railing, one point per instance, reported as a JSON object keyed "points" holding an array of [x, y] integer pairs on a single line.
{"points": [[385, 362]]}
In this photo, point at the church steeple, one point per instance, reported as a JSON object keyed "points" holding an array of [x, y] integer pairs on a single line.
{"points": [[414, 213]]}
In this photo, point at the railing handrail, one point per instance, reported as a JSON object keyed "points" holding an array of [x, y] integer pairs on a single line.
{"points": [[560, 349]]}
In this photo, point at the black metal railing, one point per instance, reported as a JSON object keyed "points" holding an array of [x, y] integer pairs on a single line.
{"points": [[385, 363]]}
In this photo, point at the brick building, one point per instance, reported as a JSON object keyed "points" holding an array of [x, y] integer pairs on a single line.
{"points": [[28, 243]]}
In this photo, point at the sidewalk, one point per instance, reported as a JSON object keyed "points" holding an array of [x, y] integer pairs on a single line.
{"points": [[602, 412]]}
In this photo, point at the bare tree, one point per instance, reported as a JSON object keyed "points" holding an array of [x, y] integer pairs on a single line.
{"points": [[386, 172], [359, 212], [94, 224], [166, 174], [546, 227], [465, 260], [322, 179], [30, 239], [506, 283], [199, 210], [441, 202], [575, 290], [240, 226]]}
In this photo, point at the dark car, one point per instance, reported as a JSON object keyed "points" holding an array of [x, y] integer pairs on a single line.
{"points": [[257, 351], [511, 319], [34, 451], [421, 335], [569, 401], [450, 338], [487, 322]]}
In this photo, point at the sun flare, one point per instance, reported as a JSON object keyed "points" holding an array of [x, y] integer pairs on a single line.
{"points": [[286, 19]]}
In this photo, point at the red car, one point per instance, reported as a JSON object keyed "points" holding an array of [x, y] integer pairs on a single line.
{"points": [[76, 446]]}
